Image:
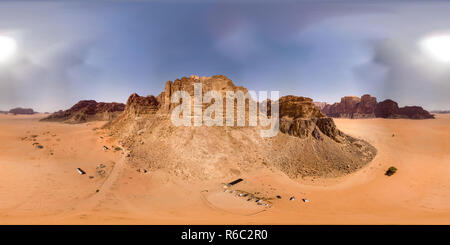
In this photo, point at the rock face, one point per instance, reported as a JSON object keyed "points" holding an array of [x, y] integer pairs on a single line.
{"points": [[87, 110], [301, 118], [217, 83], [343, 109], [415, 112], [390, 109], [367, 107], [387, 109], [22, 111], [309, 144], [320, 105], [138, 105], [298, 107]]}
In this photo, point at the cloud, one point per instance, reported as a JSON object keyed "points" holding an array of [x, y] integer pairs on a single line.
{"points": [[401, 71], [105, 50], [47, 81], [52, 65]]}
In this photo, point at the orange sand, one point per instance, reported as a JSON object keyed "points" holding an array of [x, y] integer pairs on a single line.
{"points": [[38, 187]]}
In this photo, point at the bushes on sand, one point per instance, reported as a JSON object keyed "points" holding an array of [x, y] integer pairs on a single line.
{"points": [[391, 171]]}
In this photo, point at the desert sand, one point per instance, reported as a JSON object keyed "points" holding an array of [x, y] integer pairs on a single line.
{"points": [[42, 185]]}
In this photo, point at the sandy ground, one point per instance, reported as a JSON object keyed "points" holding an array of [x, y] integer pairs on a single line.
{"points": [[42, 186]]}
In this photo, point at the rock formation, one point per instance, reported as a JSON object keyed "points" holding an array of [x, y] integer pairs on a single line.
{"points": [[309, 143], [367, 107], [300, 117], [440, 111], [320, 105], [22, 111], [298, 107], [343, 109], [87, 110], [138, 105], [217, 83], [387, 109], [414, 112]]}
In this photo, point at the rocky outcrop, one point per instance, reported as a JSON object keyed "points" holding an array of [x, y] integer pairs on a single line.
{"points": [[387, 109], [314, 127], [367, 107], [298, 107], [22, 111], [138, 105], [87, 110], [343, 109], [320, 105], [219, 83], [300, 117], [309, 143], [415, 112], [390, 109]]}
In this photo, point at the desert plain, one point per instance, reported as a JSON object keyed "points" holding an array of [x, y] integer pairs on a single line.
{"points": [[40, 184]]}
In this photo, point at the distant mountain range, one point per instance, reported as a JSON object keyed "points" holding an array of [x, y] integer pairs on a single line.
{"points": [[87, 110], [368, 107], [19, 111]]}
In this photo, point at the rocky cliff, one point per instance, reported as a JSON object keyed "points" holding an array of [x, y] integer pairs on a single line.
{"points": [[301, 118], [415, 112], [343, 109], [87, 110], [137, 105], [368, 107], [320, 105]]}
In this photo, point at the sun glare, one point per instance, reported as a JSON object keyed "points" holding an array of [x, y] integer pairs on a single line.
{"points": [[8, 47], [437, 47]]}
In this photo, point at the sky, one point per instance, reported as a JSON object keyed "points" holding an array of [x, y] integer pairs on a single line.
{"points": [[106, 50]]}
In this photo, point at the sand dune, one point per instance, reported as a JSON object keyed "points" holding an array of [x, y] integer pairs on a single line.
{"points": [[42, 186]]}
